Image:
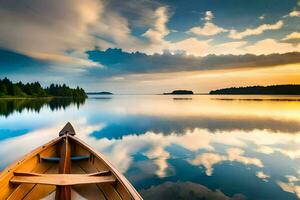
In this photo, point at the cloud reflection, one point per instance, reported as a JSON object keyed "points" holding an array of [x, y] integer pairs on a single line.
{"points": [[186, 190], [208, 160], [139, 124], [154, 140], [239, 143]]}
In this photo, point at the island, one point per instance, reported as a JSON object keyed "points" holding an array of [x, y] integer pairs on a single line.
{"points": [[99, 93], [8, 89], [260, 90], [180, 92]]}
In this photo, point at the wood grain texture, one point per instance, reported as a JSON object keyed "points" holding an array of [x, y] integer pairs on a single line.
{"points": [[94, 175], [99, 158], [62, 179], [30, 163], [63, 192]]}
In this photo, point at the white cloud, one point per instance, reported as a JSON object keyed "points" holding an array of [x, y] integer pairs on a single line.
{"points": [[292, 179], [207, 30], [294, 13], [292, 36], [234, 48], [291, 188], [160, 155], [191, 46], [208, 15], [196, 47], [46, 29], [269, 46], [262, 176], [262, 17], [265, 150], [115, 28], [236, 154], [80, 26], [234, 34], [159, 30], [208, 160]]}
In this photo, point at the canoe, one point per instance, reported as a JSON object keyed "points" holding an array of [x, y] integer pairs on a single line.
{"points": [[65, 168]]}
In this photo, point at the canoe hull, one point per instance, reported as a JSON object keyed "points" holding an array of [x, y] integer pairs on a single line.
{"points": [[91, 175]]}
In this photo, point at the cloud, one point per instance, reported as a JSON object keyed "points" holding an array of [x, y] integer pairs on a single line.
{"points": [[138, 13], [208, 15], [294, 13], [292, 36], [160, 155], [155, 146], [232, 48], [262, 175], [62, 32], [208, 160], [117, 61], [179, 124], [292, 179], [159, 30], [209, 28], [262, 17], [269, 46], [288, 187], [191, 46], [185, 190], [234, 34], [47, 28]]}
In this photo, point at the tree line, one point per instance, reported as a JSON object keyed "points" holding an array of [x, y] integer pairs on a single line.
{"points": [[272, 89], [11, 105], [8, 88]]}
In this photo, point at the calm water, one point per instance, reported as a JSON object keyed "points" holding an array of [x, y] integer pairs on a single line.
{"points": [[174, 147]]}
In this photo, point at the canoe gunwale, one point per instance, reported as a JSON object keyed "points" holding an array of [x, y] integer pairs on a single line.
{"points": [[119, 176], [8, 173], [11, 168]]}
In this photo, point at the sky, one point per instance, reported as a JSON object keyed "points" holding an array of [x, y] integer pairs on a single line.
{"points": [[149, 47]]}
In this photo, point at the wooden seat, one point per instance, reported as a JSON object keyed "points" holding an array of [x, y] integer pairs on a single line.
{"points": [[57, 159], [62, 179]]}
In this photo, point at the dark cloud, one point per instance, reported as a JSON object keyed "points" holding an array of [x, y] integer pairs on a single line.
{"points": [[185, 190], [12, 62], [139, 13], [20, 67], [140, 124], [120, 62]]}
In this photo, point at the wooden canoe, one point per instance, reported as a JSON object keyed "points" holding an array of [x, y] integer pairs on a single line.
{"points": [[64, 168]]}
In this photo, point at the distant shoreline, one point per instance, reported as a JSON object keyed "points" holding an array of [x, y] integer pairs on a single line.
{"points": [[99, 93], [48, 97], [180, 92], [259, 90]]}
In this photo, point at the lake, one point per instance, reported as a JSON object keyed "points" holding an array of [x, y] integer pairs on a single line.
{"points": [[174, 147]]}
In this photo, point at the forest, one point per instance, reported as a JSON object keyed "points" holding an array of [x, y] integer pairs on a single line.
{"points": [[270, 90], [19, 89]]}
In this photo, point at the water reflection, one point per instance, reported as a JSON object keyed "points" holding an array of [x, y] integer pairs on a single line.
{"points": [[184, 99], [9, 106], [195, 149], [185, 190], [138, 125]]}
